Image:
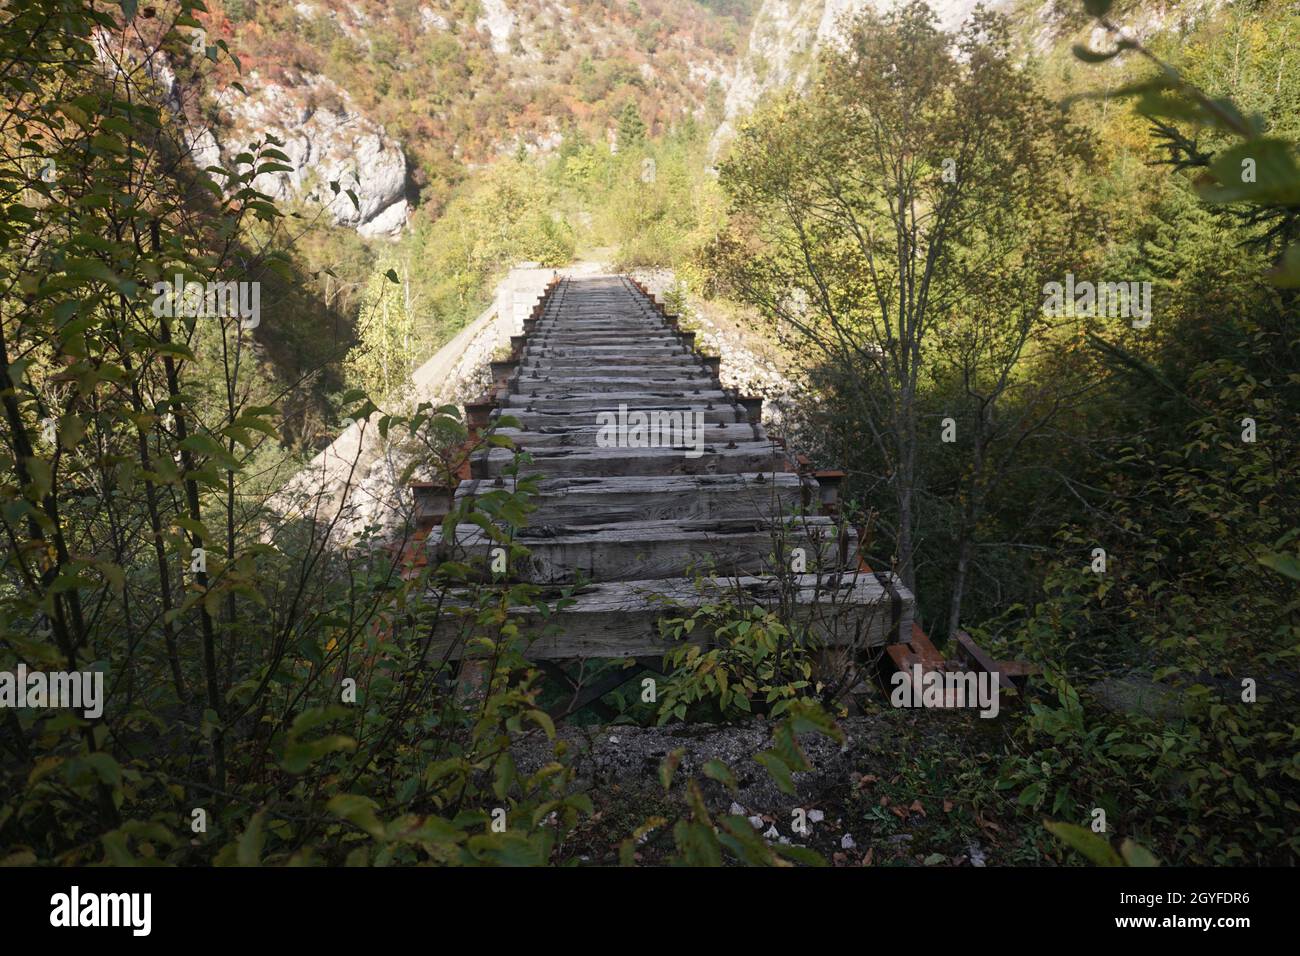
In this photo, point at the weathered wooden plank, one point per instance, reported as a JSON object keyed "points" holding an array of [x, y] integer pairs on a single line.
{"points": [[585, 436], [561, 323], [663, 549], [573, 400], [535, 420], [712, 459], [594, 359], [604, 321], [597, 351], [539, 357], [643, 336], [629, 358], [604, 327], [621, 618], [584, 334], [611, 362], [606, 500], [593, 385], [680, 376], [600, 327], [685, 377]]}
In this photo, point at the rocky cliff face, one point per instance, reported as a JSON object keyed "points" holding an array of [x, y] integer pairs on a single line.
{"points": [[324, 135], [327, 139], [785, 37], [787, 33]]}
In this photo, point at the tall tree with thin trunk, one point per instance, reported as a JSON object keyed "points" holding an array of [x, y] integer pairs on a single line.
{"points": [[921, 174]]}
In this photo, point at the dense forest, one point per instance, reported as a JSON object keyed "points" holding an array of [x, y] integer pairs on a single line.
{"points": [[1103, 485]]}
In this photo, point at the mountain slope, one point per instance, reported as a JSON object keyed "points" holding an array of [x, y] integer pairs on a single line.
{"points": [[460, 83]]}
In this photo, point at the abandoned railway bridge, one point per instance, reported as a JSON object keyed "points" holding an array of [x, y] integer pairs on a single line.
{"points": [[643, 528]]}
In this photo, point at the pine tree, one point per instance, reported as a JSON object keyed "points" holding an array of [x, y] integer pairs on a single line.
{"points": [[631, 128]]}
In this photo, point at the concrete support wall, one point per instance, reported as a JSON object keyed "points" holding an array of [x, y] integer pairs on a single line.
{"points": [[357, 471], [519, 292]]}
